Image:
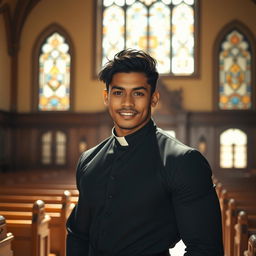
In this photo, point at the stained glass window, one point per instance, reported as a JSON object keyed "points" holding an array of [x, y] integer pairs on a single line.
{"points": [[163, 28], [233, 149], [235, 74], [54, 74]]}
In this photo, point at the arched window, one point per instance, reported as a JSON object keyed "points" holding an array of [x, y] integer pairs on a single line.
{"points": [[53, 148], [166, 29], [233, 149], [234, 85], [52, 79]]}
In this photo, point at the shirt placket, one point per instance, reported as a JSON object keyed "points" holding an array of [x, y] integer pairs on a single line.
{"points": [[111, 194]]}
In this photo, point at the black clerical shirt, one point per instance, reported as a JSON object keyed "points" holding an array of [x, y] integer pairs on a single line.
{"points": [[144, 197]]}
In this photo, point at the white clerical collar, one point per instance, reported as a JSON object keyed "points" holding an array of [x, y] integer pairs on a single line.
{"points": [[122, 141]]}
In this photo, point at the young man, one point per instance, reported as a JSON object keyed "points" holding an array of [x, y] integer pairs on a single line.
{"points": [[141, 191]]}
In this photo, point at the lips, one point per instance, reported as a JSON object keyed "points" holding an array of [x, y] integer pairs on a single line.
{"points": [[126, 113]]}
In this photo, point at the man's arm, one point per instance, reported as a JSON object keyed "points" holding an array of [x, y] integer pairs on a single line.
{"points": [[78, 223], [197, 207], [77, 240]]}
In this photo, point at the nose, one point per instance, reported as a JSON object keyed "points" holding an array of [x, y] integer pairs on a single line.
{"points": [[128, 101]]}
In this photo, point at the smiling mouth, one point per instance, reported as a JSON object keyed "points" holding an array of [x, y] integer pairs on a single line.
{"points": [[127, 113]]}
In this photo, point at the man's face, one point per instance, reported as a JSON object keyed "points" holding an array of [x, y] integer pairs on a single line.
{"points": [[129, 101]]}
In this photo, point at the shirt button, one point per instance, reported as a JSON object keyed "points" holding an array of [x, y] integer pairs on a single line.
{"points": [[110, 196], [112, 177]]}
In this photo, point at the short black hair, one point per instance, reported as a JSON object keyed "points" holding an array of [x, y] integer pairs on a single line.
{"points": [[130, 60]]}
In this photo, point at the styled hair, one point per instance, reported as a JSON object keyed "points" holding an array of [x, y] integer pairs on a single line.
{"points": [[127, 61]]}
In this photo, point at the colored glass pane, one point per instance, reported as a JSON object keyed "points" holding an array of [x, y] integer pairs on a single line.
{"points": [[183, 40], [129, 2], [235, 89], [167, 1], [190, 2], [159, 35], [46, 148], [60, 148], [54, 74], [113, 32], [148, 2], [233, 153], [147, 25], [117, 2], [136, 29]]}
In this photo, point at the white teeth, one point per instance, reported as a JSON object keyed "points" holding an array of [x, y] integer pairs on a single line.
{"points": [[127, 114]]}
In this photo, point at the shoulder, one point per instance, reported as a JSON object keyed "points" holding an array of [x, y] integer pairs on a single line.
{"points": [[172, 149], [89, 154], [182, 164], [170, 146]]}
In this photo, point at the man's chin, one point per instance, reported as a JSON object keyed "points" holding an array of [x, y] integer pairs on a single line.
{"points": [[126, 127], [129, 127]]}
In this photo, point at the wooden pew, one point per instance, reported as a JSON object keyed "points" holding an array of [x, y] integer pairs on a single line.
{"points": [[31, 176], [251, 251], [47, 185], [246, 226], [5, 239], [242, 188], [234, 207], [31, 236], [224, 198], [12, 190], [58, 208], [31, 198], [218, 188]]}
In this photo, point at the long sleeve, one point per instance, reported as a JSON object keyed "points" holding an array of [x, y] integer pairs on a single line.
{"points": [[197, 207], [78, 224]]}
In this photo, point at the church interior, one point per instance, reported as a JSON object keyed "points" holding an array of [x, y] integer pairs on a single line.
{"points": [[51, 104]]}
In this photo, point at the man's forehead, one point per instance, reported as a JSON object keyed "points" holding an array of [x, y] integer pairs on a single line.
{"points": [[131, 80], [129, 86]]}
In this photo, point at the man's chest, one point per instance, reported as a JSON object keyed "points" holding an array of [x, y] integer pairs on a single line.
{"points": [[130, 178]]}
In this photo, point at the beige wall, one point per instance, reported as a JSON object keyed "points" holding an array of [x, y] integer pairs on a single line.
{"points": [[77, 18], [4, 69]]}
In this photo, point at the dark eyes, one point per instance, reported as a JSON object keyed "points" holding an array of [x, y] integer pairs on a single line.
{"points": [[138, 93], [117, 93], [135, 93]]}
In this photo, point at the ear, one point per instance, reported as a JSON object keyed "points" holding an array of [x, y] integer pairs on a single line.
{"points": [[105, 96], [155, 99]]}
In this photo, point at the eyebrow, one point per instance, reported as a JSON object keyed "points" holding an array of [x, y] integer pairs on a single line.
{"points": [[134, 89]]}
